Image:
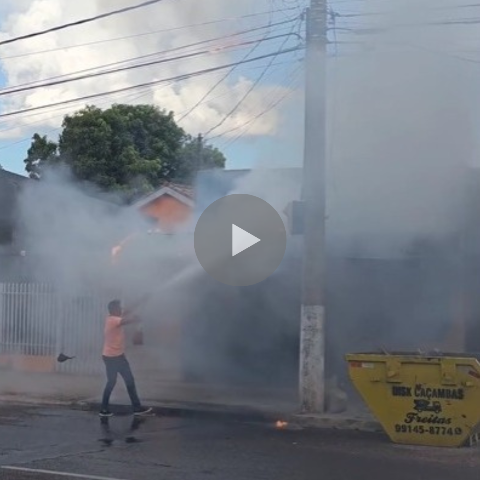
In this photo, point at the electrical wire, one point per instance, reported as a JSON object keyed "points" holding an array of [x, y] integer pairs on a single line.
{"points": [[145, 91], [128, 68], [130, 98], [13, 89], [107, 99], [437, 52], [152, 83], [137, 35], [299, 5], [247, 93], [249, 123], [80, 22], [105, 67], [27, 139], [224, 77], [361, 29]]}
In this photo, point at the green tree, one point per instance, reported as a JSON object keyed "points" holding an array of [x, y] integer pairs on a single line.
{"points": [[125, 147], [41, 151], [197, 155]]}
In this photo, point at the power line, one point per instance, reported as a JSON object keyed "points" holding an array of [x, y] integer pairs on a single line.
{"points": [[229, 93], [437, 52], [252, 120], [108, 98], [130, 96], [221, 80], [152, 83], [299, 5], [289, 88], [387, 12], [247, 93], [66, 107], [123, 69], [80, 22], [133, 59], [360, 29], [27, 139], [156, 32]]}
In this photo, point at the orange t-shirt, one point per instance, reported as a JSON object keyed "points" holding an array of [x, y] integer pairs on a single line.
{"points": [[114, 344]]}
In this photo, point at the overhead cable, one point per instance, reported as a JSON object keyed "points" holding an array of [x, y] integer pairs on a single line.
{"points": [[79, 22], [152, 83]]}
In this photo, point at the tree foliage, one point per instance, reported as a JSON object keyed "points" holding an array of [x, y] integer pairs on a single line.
{"points": [[42, 151], [196, 155], [125, 147]]}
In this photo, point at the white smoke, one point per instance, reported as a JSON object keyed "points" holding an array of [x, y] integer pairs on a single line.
{"points": [[403, 110]]}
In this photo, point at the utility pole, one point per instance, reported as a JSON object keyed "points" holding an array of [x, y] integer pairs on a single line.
{"points": [[199, 153], [312, 334]]}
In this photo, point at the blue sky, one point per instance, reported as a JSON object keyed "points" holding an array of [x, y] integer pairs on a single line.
{"points": [[12, 151], [282, 146]]}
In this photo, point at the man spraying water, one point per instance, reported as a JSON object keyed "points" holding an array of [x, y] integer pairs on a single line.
{"points": [[115, 360]]}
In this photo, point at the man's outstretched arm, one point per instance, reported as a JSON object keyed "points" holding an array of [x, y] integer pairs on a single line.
{"points": [[129, 320]]}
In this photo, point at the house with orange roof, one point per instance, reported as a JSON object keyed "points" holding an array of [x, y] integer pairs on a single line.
{"points": [[170, 206]]}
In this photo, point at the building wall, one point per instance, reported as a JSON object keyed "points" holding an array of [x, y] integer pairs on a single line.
{"points": [[8, 194], [168, 211], [11, 263]]}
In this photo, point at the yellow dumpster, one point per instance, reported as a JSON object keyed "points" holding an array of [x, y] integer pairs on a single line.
{"points": [[421, 399]]}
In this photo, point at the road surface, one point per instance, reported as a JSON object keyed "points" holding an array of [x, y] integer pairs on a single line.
{"points": [[55, 444]]}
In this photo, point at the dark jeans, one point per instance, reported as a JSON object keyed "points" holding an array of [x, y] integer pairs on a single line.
{"points": [[115, 366]]}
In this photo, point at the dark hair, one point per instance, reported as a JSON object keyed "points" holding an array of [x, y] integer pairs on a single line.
{"points": [[114, 306]]}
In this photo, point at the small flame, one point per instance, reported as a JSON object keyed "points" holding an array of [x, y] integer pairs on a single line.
{"points": [[281, 424], [115, 252], [118, 248]]}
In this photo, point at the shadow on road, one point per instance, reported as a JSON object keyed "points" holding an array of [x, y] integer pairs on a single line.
{"points": [[128, 435]]}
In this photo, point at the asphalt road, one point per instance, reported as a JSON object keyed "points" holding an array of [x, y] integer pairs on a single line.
{"points": [[75, 444]]}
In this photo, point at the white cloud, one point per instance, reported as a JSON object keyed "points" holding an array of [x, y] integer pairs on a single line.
{"points": [[22, 17]]}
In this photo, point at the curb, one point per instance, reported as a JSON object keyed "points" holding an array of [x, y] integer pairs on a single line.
{"points": [[214, 412], [329, 422], [12, 400], [194, 410], [238, 413]]}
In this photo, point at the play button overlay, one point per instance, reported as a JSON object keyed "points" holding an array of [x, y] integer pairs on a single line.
{"points": [[240, 240]]}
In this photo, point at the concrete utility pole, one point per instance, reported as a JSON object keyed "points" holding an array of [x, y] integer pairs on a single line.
{"points": [[199, 153], [312, 335]]}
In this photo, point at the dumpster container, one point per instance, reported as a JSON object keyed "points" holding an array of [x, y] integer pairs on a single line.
{"points": [[429, 400]]}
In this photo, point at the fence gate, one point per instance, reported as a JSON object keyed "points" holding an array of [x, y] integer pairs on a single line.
{"points": [[39, 320]]}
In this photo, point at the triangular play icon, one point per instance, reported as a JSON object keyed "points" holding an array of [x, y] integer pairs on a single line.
{"points": [[241, 240]]}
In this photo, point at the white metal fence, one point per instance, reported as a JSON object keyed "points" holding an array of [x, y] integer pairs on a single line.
{"points": [[40, 320]]}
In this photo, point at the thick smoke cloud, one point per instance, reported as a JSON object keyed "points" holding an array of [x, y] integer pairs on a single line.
{"points": [[402, 121]]}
